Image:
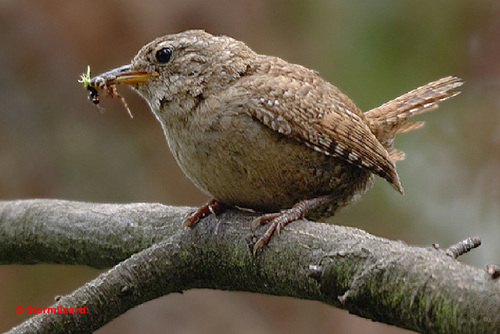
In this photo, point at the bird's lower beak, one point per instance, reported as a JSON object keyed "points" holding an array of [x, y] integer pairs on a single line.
{"points": [[121, 75]]}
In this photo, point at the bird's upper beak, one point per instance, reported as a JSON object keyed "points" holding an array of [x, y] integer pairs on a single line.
{"points": [[122, 75]]}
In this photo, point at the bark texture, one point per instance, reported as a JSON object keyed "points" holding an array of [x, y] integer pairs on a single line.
{"points": [[423, 289]]}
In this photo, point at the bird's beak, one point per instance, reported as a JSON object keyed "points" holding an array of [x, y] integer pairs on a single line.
{"points": [[122, 75]]}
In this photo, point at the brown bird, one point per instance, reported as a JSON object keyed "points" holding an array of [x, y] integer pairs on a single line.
{"points": [[254, 131]]}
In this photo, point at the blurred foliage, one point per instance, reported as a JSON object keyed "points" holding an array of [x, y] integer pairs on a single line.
{"points": [[54, 143]]}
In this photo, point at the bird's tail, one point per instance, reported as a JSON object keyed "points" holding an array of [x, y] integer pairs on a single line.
{"points": [[391, 118]]}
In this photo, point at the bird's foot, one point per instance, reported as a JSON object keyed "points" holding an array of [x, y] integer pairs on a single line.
{"points": [[277, 221], [211, 207]]}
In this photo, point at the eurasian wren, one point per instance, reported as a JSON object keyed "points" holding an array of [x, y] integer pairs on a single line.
{"points": [[257, 132]]}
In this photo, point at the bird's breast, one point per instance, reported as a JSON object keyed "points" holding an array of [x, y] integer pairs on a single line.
{"points": [[239, 161]]}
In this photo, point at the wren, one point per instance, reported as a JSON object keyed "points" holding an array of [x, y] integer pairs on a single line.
{"points": [[254, 131]]}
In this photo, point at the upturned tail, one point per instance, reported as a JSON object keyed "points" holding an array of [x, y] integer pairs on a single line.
{"points": [[391, 118]]}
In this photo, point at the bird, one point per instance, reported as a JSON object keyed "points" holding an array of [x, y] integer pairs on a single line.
{"points": [[257, 132]]}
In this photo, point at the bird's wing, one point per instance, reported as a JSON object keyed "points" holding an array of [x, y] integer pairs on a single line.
{"points": [[316, 112]]}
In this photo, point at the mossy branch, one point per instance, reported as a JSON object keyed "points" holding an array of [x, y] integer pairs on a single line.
{"points": [[423, 289]]}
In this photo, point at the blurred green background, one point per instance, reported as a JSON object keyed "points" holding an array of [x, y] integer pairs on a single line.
{"points": [[55, 144]]}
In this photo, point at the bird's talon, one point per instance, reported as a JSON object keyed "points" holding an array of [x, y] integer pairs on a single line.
{"points": [[190, 219], [261, 220], [259, 244], [211, 207]]}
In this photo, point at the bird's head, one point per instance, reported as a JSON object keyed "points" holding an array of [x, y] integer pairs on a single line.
{"points": [[190, 64]]}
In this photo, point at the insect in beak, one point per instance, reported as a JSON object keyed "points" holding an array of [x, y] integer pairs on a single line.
{"points": [[107, 81]]}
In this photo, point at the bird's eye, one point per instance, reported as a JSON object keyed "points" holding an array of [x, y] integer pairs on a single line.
{"points": [[163, 55]]}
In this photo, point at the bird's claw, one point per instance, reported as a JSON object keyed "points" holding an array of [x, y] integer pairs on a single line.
{"points": [[277, 222], [211, 207]]}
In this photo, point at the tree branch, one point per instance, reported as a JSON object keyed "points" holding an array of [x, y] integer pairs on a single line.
{"points": [[422, 289]]}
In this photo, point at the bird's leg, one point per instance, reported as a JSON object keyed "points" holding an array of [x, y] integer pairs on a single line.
{"points": [[211, 207], [278, 220]]}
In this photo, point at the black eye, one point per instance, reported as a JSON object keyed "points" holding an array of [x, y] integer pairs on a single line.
{"points": [[163, 55]]}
